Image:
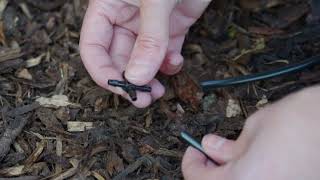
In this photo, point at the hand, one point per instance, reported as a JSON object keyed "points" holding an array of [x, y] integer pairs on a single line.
{"points": [[280, 142], [138, 37]]}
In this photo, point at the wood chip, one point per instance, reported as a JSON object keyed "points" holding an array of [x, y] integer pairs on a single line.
{"points": [[169, 153], [70, 172], [12, 171], [35, 154], [144, 160], [148, 119], [59, 154], [76, 126], [187, 89], [115, 163], [25, 10], [34, 61], [97, 175], [21, 169], [10, 53], [3, 5], [233, 109], [2, 35], [56, 101], [48, 118], [17, 147], [10, 134], [264, 101], [24, 74]]}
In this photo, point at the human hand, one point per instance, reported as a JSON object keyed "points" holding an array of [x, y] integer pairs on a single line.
{"points": [[138, 37], [280, 142]]}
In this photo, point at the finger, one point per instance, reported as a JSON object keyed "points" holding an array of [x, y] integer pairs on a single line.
{"points": [[120, 50], [195, 164], [172, 64], [157, 89], [96, 36], [173, 61], [132, 2], [152, 42], [121, 47], [218, 148]]}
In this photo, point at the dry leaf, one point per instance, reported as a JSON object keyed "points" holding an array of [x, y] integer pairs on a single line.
{"points": [[233, 109], [75, 126], [56, 101], [24, 74]]}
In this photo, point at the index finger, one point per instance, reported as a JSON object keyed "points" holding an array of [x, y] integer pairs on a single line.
{"points": [[96, 37]]}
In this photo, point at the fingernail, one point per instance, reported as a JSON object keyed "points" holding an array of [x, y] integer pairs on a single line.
{"points": [[214, 142]]}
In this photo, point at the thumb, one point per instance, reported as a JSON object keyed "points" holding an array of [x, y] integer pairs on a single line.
{"points": [[196, 166], [152, 42], [218, 148]]}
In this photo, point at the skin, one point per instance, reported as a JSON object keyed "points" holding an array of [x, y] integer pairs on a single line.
{"points": [[143, 37], [280, 142], [138, 37]]}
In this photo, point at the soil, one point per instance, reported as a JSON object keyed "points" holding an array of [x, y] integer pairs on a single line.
{"points": [[56, 123]]}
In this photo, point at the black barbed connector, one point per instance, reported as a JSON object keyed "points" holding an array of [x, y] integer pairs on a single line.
{"points": [[129, 87]]}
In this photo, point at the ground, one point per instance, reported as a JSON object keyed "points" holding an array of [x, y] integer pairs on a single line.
{"points": [[56, 123]]}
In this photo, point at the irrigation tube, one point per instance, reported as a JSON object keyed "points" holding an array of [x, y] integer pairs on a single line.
{"points": [[212, 84]]}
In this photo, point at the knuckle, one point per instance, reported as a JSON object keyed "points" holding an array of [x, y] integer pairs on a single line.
{"points": [[150, 43]]}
